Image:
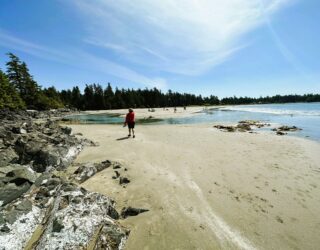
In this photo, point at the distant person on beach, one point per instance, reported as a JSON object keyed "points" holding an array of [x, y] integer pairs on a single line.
{"points": [[130, 122], [175, 109]]}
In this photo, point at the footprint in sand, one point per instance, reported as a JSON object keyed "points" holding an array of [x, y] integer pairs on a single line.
{"points": [[278, 218], [313, 185], [292, 219]]}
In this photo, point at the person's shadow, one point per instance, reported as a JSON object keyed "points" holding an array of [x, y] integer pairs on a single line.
{"points": [[123, 138]]}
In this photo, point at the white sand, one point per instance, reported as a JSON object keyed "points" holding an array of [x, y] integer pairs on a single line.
{"points": [[208, 189], [158, 112]]}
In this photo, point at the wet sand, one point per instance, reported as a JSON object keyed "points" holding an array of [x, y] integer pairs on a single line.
{"points": [[208, 189]]}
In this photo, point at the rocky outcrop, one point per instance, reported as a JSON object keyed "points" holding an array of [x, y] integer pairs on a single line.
{"points": [[284, 129], [87, 170], [131, 211], [38, 208], [42, 145], [56, 214], [242, 126]]}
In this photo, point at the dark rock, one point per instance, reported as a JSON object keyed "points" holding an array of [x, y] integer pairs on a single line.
{"points": [[111, 237], [116, 166], [117, 174], [11, 192], [103, 165], [84, 172], [64, 203], [42, 179], [21, 174], [12, 216], [87, 170], [287, 128], [131, 211], [280, 133], [243, 127], [70, 187], [113, 213], [87, 142], [19, 130], [2, 218], [124, 180], [57, 225], [257, 124], [5, 229], [24, 206], [8, 155], [225, 128], [66, 130]]}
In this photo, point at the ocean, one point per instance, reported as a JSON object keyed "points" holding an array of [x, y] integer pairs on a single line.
{"points": [[303, 115]]}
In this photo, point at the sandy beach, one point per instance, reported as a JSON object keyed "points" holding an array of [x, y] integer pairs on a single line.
{"points": [[208, 189]]}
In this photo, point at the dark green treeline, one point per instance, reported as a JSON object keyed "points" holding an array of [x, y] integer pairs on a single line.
{"points": [[18, 90]]}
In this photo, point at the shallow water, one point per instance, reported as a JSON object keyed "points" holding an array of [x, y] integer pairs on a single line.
{"points": [[302, 115]]}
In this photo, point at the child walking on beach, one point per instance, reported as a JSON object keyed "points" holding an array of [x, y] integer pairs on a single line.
{"points": [[130, 122]]}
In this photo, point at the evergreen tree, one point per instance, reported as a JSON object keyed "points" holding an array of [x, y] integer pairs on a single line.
{"points": [[52, 97], [88, 97], [9, 97], [99, 102], [30, 92], [108, 97], [76, 98], [118, 100]]}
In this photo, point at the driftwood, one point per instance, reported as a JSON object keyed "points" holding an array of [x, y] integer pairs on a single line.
{"points": [[93, 241], [37, 235]]}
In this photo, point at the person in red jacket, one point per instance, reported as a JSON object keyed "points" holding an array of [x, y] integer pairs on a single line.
{"points": [[130, 122]]}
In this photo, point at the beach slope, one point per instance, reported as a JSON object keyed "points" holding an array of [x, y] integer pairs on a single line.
{"points": [[208, 189]]}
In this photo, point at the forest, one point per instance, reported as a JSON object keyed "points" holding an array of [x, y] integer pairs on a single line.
{"points": [[19, 90]]}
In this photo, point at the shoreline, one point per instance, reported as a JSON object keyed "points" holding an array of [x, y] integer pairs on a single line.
{"points": [[231, 189], [189, 116]]}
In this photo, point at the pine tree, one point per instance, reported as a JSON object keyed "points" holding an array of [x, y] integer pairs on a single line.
{"points": [[88, 97], [9, 97], [108, 96], [99, 102], [76, 98], [19, 76]]}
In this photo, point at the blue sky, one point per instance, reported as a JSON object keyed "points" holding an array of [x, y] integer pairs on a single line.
{"points": [[225, 48]]}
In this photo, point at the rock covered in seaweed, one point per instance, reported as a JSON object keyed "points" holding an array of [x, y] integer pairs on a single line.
{"points": [[282, 130]]}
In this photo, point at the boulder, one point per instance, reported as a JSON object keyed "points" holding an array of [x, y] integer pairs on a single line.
{"points": [[131, 211], [288, 128], [12, 191], [124, 180], [21, 174], [84, 172], [87, 170], [8, 155], [226, 128]]}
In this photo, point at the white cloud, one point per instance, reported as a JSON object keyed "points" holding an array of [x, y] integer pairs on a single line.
{"points": [[180, 36], [12, 42], [81, 59]]}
